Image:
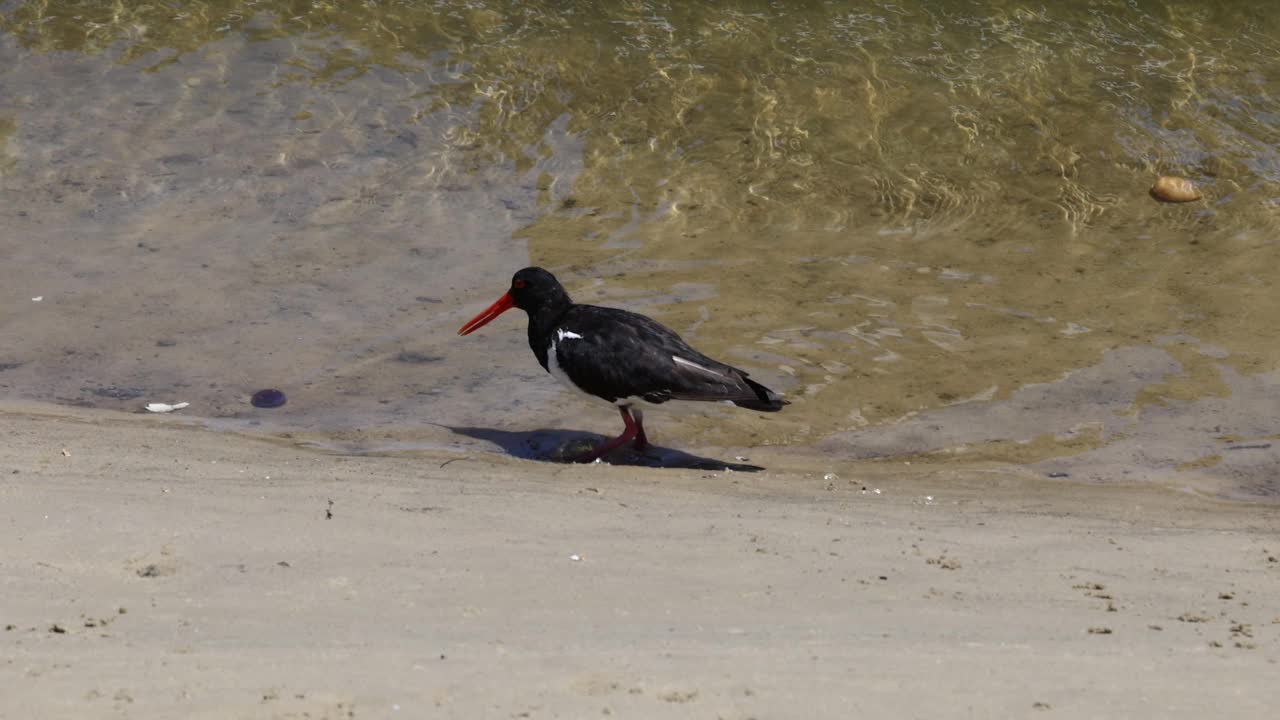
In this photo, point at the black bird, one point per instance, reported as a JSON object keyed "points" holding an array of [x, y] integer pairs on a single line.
{"points": [[618, 356]]}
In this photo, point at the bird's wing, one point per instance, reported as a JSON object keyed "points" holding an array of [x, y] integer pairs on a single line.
{"points": [[639, 357]]}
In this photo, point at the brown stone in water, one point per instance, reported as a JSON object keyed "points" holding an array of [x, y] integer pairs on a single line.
{"points": [[1175, 189]]}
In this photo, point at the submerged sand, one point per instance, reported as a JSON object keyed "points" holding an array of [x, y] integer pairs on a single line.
{"points": [[152, 570]]}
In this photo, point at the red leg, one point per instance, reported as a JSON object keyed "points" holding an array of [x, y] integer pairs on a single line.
{"points": [[642, 443], [628, 434]]}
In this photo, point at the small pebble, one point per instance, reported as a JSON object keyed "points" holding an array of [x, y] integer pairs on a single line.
{"points": [[1175, 190], [267, 399]]}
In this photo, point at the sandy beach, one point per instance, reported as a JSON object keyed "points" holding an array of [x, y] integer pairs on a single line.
{"points": [[152, 570]]}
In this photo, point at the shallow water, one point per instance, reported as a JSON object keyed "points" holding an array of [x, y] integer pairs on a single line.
{"points": [[926, 223]]}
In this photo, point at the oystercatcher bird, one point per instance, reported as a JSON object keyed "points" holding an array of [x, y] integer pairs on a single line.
{"points": [[620, 357]]}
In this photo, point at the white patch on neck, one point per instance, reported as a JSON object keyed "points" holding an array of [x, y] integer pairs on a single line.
{"points": [[567, 335], [696, 367]]}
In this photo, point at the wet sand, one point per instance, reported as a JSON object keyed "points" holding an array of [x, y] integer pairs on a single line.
{"points": [[159, 570]]}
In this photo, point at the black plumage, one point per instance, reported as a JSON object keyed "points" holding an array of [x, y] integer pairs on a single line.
{"points": [[621, 357]]}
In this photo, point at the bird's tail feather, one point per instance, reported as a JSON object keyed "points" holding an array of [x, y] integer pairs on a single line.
{"points": [[765, 400]]}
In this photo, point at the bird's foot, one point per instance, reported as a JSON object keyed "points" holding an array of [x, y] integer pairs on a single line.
{"points": [[634, 433], [600, 450]]}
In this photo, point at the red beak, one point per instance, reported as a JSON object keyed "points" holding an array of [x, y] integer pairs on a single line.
{"points": [[503, 304]]}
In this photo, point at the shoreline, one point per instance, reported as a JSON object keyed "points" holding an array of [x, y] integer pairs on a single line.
{"points": [[971, 466], [260, 579]]}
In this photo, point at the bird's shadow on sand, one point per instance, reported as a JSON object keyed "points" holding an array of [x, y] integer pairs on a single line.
{"points": [[559, 446]]}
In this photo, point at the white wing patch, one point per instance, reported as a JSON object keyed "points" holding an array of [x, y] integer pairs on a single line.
{"points": [[557, 372], [697, 368], [553, 367], [567, 335]]}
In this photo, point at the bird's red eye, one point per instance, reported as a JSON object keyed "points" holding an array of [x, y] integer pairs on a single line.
{"points": [[517, 284]]}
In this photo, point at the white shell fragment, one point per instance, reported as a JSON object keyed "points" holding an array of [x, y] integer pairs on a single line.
{"points": [[164, 407]]}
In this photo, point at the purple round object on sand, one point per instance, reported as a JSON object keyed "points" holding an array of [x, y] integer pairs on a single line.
{"points": [[267, 399]]}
